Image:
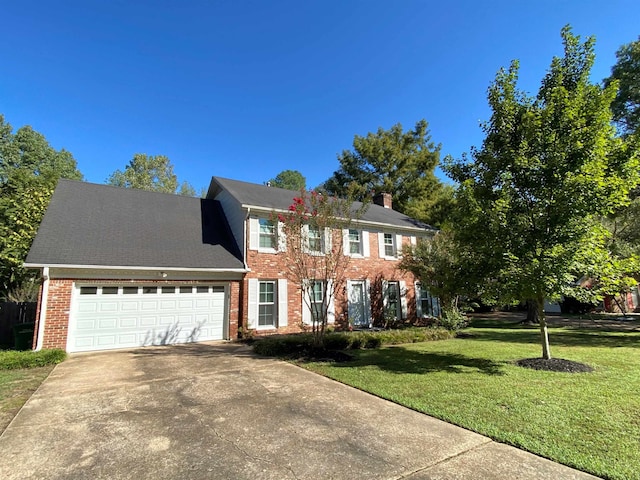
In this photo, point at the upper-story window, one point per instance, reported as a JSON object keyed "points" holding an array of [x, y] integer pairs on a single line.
{"points": [[389, 245], [355, 242], [315, 239], [267, 233]]}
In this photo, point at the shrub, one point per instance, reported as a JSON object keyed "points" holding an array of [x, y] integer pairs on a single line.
{"points": [[453, 319], [337, 341], [283, 345], [302, 343], [12, 359]]}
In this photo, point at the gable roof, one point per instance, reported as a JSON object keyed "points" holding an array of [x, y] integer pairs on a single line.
{"points": [[272, 198], [99, 225]]}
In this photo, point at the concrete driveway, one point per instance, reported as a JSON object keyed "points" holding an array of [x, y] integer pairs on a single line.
{"points": [[215, 411]]}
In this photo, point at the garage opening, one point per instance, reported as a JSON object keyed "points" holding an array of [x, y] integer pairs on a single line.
{"points": [[122, 316]]}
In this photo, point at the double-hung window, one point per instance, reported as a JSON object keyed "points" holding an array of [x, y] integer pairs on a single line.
{"points": [[267, 304], [389, 245], [315, 239], [267, 233], [355, 242], [392, 300], [316, 300], [427, 305]]}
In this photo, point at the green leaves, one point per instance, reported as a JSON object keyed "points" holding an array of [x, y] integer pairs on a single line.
{"points": [[149, 172], [29, 171], [392, 161], [549, 166]]}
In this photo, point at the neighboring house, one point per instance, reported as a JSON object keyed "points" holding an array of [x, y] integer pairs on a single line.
{"points": [[126, 268]]}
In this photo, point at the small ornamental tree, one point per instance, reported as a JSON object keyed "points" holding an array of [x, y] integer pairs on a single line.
{"points": [[313, 229]]}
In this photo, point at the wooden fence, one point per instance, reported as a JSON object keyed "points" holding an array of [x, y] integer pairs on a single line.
{"points": [[12, 314]]}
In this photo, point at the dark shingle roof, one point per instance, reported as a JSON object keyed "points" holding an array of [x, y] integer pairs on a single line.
{"points": [[89, 224], [272, 198]]}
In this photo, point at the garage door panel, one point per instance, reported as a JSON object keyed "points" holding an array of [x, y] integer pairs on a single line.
{"points": [[111, 322], [128, 322], [129, 306], [128, 317]]}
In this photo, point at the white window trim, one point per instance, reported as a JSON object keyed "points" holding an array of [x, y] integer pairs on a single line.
{"points": [[402, 300], [254, 236], [397, 246], [281, 304], [364, 250]]}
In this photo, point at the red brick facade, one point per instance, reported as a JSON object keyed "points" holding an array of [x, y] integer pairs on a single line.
{"points": [[272, 266]]}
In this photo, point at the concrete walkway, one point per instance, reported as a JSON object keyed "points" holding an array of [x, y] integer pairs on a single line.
{"points": [[215, 411]]}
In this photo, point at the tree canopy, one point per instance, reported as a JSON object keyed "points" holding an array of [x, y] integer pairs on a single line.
{"points": [[391, 161], [548, 167], [150, 172], [29, 171], [626, 73], [290, 180]]}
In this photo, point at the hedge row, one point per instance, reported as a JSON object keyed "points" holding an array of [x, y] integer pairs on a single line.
{"points": [[12, 359], [284, 345]]}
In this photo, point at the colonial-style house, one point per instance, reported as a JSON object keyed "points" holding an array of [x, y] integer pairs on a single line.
{"points": [[123, 268]]}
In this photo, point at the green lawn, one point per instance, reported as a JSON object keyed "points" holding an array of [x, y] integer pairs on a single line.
{"points": [[590, 421], [16, 386]]}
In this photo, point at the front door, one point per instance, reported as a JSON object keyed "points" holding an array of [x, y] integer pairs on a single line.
{"points": [[357, 306]]}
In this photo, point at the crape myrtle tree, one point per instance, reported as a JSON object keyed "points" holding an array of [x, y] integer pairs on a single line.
{"points": [[313, 230], [549, 166], [150, 172], [29, 172]]}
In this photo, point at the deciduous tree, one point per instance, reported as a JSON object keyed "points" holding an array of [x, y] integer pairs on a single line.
{"points": [[150, 172], [290, 180], [549, 165], [626, 73], [29, 171]]}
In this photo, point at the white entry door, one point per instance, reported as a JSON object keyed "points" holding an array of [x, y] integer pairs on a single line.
{"points": [[120, 316], [358, 303]]}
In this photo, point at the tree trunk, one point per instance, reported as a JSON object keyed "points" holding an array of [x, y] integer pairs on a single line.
{"points": [[532, 312], [544, 334]]}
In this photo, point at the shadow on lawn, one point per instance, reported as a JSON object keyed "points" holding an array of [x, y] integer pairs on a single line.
{"points": [[567, 337], [398, 359]]}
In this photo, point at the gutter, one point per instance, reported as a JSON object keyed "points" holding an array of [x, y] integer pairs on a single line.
{"points": [[153, 269], [357, 222]]}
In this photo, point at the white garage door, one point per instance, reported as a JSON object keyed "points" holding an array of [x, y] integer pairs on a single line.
{"points": [[108, 316]]}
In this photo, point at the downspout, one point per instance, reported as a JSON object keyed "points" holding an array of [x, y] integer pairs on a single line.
{"points": [[43, 307], [246, 240]]}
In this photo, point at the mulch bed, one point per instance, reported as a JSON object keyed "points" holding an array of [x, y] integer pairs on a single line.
{"points": [[555, 365]]}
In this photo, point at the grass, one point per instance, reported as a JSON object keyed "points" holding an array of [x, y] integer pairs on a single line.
{"points": [[21, 373], [588, 421], [16, 386]]}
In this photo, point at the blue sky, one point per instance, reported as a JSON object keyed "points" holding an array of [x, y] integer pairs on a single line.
{"points": [[246, 89]]}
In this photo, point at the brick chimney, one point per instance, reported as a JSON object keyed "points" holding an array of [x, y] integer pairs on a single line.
{"points": [[383, 199]]}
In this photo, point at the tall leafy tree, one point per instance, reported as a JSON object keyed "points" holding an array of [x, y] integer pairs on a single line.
{"points": [[289, 179], [150, 172], [392, 161], [29, 171], [548, 167], [626, 73]]}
